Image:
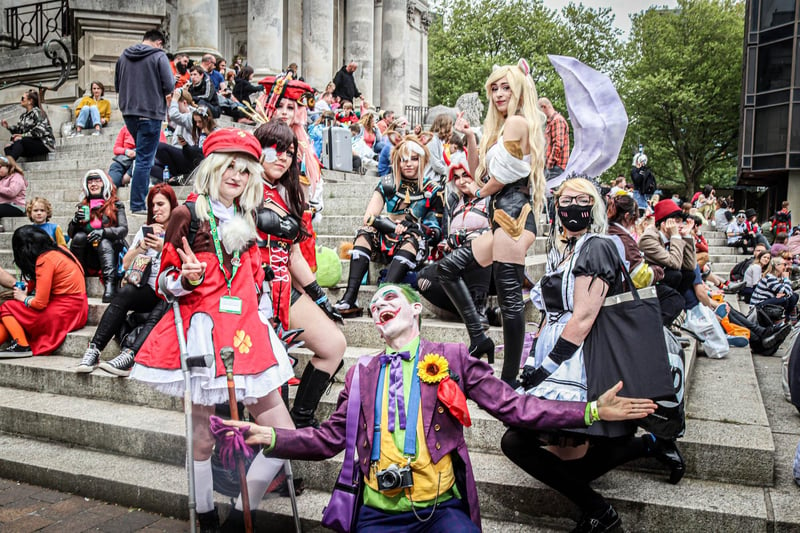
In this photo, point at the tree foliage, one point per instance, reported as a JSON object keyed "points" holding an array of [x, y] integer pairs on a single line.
{"points": [[468, 37], [682, 91]]}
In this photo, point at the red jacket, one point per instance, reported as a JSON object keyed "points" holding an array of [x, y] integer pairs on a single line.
{"points": [[125, 141]]}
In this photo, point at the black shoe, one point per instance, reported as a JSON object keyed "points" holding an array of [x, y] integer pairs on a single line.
{"points": [[667, 453], [608, 520], [484, 347], [313, 385], [208, 522], [109, 291], [776, 337], [16, 351]]}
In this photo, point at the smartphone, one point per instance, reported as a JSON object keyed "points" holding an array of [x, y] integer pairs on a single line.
{"points": [[146, 230]]}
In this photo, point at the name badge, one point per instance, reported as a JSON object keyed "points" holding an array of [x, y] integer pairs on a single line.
{"points": [[230, 304]]}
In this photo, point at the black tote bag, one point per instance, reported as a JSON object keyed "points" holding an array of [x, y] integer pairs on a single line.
{"points": [[627, 343]]}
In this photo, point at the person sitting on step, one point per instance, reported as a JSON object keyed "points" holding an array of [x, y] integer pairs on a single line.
{"points": [[139, 293], [98, 229], [459, 282], [93, 111], [12, 188], [51, 300], [414, 209], [40, 211]]}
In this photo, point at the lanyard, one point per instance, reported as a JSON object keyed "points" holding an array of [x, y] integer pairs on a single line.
{"points": [[410, 445], [218, 249]]}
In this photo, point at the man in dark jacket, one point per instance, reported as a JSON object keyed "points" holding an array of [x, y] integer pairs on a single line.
{"points": [[345, 83], [202, 90], [144, 79]]}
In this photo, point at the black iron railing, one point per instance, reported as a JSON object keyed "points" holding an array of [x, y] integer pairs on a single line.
{"points": [[416, 114], [35, 24]]}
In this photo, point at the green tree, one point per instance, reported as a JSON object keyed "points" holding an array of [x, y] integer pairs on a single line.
{"points": [[467, 37], [682, 91]]}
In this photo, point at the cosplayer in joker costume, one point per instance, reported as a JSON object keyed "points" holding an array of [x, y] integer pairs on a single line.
{"points": [[437, 377]]}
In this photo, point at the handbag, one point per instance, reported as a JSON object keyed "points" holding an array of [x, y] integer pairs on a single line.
{"points": [[139, 272], [339, 515], [627, 343], [703, 324]]}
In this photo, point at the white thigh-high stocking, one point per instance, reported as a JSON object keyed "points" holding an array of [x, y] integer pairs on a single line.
{"points": [[204, 486], [259, 476]]}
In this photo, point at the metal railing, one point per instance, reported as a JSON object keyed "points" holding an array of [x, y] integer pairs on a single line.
{"points": [[35, 24], [415, 114], [59, 54]]}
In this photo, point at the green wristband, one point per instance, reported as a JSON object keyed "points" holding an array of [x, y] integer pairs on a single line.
{"points": [[271, 447]]}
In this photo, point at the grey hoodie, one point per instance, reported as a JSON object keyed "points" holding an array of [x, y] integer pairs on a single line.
{"points": [[143, 79]]}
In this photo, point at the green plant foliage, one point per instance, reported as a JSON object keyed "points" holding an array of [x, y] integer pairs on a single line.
{"points": [[682, 89]]}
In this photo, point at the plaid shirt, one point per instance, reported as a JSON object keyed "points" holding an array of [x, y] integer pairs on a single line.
{"points": [[557, 134]]}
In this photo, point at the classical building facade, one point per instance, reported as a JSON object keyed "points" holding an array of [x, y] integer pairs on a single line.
{"points": [[769, 153], [386, 38]]}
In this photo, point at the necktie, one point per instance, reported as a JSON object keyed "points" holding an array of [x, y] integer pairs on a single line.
{"points": [[396, 399]]}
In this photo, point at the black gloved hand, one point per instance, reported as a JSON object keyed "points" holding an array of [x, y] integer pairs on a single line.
{"points": [[316, 293], [96, 235], [456, 239], [78, 217], [532, 376]]}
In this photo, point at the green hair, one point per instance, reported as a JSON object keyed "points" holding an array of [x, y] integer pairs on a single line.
{"points": [[408, 291]]}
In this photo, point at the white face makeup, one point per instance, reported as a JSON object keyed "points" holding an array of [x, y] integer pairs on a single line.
{"points": [[393, 314]]}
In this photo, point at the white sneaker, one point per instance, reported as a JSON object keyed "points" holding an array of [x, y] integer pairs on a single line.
{"points": [[89, 362]]}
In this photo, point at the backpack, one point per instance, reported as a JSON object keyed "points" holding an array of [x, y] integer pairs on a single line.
{"points": [[648, 183], [738, 270], [780, 222]]}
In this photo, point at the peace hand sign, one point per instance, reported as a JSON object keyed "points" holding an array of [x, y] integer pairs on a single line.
{"points": [[191, 269]]}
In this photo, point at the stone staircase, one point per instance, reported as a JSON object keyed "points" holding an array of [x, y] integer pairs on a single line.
{"points": [[117, 440]]}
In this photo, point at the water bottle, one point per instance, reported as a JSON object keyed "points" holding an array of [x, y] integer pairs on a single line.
{"points": [[21, 285], [165, 176]]}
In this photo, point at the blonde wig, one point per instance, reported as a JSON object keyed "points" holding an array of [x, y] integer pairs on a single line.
{"points": [[406, 148], [584, 186], [523, 103], [208, 179]]}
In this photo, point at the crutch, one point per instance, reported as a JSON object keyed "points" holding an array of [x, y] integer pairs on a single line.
{"points": [[187, 395], [226, 353]]}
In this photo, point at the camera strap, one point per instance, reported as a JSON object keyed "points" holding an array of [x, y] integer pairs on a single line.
{"points": [[410, 445]]}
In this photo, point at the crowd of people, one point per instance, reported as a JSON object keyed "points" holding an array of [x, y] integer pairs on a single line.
{"points": [[453, 215]]}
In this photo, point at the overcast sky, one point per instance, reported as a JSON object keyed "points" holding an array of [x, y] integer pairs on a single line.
{"points": [[620, 8]]}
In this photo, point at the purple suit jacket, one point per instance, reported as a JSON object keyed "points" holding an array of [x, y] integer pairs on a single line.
{"points": [[443, 433]]}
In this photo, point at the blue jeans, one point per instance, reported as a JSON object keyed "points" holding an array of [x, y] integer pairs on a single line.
{"points": [[641, 199], [89, 117], [146, 132]]}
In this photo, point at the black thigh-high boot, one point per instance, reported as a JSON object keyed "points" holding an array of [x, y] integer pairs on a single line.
{"points": [[508, 282], [402, 262], [359, 264], [108, 265], [312, 386], [450, 269], [478, 280]]}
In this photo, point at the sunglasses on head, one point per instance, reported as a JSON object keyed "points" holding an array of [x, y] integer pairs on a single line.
{"points": [[4, 160], [202, 111]]}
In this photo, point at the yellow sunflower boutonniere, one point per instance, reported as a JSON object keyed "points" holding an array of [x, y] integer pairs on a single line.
{"points": [[435, 370]]}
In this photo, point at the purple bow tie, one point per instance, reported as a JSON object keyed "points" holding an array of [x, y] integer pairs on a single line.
{"points": [[396, 400]]}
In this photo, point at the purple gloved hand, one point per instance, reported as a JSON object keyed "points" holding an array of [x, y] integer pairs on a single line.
{"points": [[230, 442]]}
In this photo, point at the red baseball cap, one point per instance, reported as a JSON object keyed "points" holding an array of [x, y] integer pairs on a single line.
{"points": [[232, 140]]}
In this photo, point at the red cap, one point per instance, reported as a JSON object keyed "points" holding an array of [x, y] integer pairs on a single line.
{"points": [[232, 140], [296, 90], [664, 210]]}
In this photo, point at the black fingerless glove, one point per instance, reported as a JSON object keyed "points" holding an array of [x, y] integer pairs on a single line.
{"points": [[383, 225], [316, 293], [456, 239], [96, 235]]}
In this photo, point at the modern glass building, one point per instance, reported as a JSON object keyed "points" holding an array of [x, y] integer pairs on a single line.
{"points": [[769, 152]]}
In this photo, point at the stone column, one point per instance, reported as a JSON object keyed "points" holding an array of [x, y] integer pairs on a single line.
{"points": [[265, 36], [376, 53], [358, 42], [393, 44], [317, 66], [198, 27]]}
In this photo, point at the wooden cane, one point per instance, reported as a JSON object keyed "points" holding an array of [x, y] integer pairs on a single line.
{"points": [[226, 354]]}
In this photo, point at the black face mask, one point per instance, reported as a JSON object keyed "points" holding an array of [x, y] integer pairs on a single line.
{"points": [[575, 217]]}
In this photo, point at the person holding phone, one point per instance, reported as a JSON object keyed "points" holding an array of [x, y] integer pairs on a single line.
{"points": [[137, 297]]}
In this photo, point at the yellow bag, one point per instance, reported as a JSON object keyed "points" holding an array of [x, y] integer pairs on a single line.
{"points": [[642, 276]]}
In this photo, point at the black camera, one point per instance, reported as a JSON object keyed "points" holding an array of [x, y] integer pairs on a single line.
{"points": [[394, 477]]}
